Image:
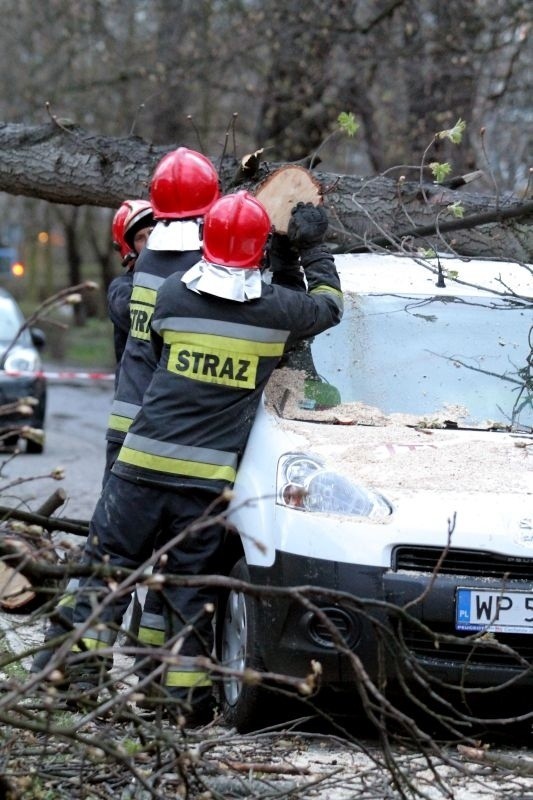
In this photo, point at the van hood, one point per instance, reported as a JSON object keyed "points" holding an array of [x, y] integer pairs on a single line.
{"points": [[399, 460]]}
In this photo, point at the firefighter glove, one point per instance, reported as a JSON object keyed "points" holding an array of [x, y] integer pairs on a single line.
{"points": [[307, 226], [284, 263], [282, 254]]}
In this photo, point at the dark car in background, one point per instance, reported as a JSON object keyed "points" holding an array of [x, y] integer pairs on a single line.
{"points": [[20, 378]]}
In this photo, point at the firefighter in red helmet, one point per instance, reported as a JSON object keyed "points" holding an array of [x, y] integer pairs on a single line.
{"points": [[130, 229], [183, 187], [131, 226], [218, 333]]}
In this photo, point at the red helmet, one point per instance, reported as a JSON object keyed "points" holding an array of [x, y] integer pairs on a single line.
{"points": [[132, 215], [184, 184], [235, 233]]}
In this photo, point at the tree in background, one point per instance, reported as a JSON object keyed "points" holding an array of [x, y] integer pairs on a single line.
{"points": [[244, 74]]}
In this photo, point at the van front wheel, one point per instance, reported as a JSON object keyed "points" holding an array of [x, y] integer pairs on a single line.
{"points": [[242, 702]]}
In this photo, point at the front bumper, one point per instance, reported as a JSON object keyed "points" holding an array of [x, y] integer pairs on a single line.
{"points": [[335, 611]]}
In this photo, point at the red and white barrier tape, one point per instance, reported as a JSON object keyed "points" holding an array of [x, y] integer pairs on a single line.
{"points": [[64, 375]]}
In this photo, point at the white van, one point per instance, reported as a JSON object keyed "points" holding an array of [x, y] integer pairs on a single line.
{"points": [[390, 472]]}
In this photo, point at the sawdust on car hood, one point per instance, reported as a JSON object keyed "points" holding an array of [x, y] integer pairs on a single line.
{"points": [[400, 453]]}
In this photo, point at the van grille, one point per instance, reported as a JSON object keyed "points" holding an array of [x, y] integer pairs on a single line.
{"points": [[476, 563], [469, 653]]}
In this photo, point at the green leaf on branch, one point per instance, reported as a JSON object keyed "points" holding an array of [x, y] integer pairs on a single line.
{"points": [[440, 171], [454, 134], [348, 123], [457, 210]]}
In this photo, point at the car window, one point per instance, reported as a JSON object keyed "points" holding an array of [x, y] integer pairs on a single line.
{"points": [[445, 359]]}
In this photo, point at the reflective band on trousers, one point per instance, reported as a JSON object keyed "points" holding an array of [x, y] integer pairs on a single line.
{"points": [[95, 640], [69, 598], [186, 674], [187, 679], [152, 629], [151, 620], [151, 636]]}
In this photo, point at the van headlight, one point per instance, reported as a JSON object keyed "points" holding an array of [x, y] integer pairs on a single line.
{"points": [[304, 483]]}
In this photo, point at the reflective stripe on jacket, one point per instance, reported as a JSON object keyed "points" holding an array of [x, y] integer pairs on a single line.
{"points": [[138, 359]]}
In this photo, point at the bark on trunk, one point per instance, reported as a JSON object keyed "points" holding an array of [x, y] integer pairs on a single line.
{"points": [[65, 164]]}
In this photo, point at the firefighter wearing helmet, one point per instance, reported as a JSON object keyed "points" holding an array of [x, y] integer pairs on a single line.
{"points": [[131, 226], [130, 229], [219, 332], [183, 186]]}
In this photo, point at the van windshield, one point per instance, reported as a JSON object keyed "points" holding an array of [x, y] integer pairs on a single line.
{"points": [[444, 361]]}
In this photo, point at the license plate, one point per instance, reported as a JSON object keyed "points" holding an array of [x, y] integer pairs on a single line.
{"points": [[492, 610]]}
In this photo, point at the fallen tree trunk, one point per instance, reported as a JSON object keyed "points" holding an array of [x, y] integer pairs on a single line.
{"points": [[63, 163]]}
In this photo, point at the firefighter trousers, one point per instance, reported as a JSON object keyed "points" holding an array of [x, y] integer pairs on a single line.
{"points": [[127, 519]]}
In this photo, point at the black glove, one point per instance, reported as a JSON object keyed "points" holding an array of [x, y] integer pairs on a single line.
{"points": [[281, 253], [307, 226], [284, 263]]}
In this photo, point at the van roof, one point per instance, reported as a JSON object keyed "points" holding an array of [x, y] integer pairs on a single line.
{"points": [[374, 272]]}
